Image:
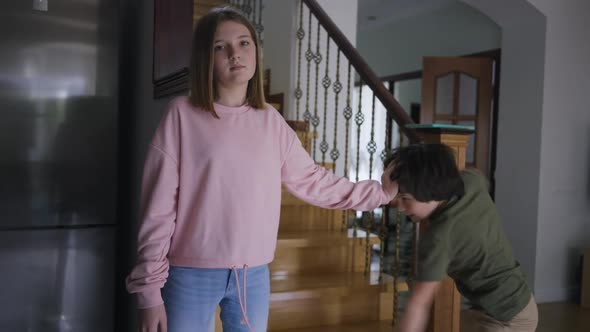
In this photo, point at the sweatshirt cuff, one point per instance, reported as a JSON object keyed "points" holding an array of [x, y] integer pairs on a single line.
{"points": [[149, 298]]}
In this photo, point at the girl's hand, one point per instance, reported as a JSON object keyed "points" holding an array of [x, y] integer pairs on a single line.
{"points": [[150, 319], [390, 187]]}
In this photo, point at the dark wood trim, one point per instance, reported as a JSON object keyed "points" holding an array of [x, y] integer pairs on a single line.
{"points": [[277, 98], [366, 73], [266, 77], [411, 75], [173, 84], [298, 125], [496, 55], [456, 89], [173, 23], [415, 112]]}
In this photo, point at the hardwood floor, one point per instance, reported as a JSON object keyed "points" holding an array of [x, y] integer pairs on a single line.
{"points": [[553, 317], [563, 317]]}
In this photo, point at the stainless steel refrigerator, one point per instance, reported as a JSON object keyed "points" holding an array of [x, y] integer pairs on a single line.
{"points": [[58, 164]]}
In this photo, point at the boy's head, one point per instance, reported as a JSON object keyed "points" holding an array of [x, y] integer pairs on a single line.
{"points": [[427, 175]]}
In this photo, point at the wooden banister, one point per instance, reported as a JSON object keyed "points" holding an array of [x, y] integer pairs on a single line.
{"points": [[395, 110]]}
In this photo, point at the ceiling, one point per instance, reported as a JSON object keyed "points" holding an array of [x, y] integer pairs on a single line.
{"points": [[375, 13]]}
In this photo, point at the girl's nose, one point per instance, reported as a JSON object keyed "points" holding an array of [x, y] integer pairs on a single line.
{"points": [[233, 55]]}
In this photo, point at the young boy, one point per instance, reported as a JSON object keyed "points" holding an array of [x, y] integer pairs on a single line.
{"points": [[463, 239]]}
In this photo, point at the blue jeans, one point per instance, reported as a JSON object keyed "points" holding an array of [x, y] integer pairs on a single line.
{"points": [[191, 296]]}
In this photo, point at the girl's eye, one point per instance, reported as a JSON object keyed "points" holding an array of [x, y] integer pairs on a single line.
{"points": [[245, 43], [218, 47]]}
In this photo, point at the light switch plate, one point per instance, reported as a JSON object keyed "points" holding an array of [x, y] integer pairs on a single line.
{"points": [[40, 5]]}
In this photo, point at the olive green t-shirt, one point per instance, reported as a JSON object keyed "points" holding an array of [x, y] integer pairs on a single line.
{"points": [[465, 241]]}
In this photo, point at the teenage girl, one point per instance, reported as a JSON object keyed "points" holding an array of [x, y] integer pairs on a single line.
{"points": [[211, 190]]}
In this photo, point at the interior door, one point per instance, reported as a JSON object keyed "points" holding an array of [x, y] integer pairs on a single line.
{"points": [[458, 90]]}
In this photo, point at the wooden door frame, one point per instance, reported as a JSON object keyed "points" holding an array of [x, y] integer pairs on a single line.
{"points": [[496, 56], [479, 69]]}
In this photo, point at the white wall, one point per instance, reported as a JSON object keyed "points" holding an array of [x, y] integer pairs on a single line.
{"points": [[279, 49], [519, 125], [408, 92], [543, 179], [455, 29], [564, 189]]}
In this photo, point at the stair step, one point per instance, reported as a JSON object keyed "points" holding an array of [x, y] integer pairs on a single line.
{"points": [[302, 126], [276, 106], [310, 218], [378, 326], [327, 282], [334, 298], [320, 252], [330, 299], [322, 238]]}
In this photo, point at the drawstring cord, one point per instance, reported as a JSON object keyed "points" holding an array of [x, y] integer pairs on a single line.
{"points": [[243, 306]]}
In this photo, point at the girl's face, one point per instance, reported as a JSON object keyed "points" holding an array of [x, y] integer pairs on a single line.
{"points": [[234, 55], [415, 210]]}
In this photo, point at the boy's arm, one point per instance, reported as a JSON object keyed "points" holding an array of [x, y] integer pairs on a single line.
{"points": [[417, 313]]}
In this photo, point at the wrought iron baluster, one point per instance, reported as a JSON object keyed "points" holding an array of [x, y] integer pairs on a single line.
{"points": [[368, 218], [326, 82], [254, 12], [371, 147], [347, 115], [308, 58], [359, 118], [247, 9], [300, 36], [315, 121], [384, 229], [337, 87], [259, 27]]}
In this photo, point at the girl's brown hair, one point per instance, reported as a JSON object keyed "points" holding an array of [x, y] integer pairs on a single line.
{"points": [[203, 91]]}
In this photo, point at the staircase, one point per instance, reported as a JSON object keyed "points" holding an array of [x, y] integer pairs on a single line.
{"points": [[318, 279]]}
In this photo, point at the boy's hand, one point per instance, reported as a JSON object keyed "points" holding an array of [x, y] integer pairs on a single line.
{"points": [[417, 311], [390, 187]]}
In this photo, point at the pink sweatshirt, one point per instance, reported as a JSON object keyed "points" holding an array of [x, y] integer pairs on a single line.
{"points": [[211, 191]]}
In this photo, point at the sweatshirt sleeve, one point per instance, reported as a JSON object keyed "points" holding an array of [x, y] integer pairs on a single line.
{"points": [[159, 195], [319, 186]]}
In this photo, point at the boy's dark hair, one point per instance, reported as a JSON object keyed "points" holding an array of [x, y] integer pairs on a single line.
{"points": [[426, 171]]}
